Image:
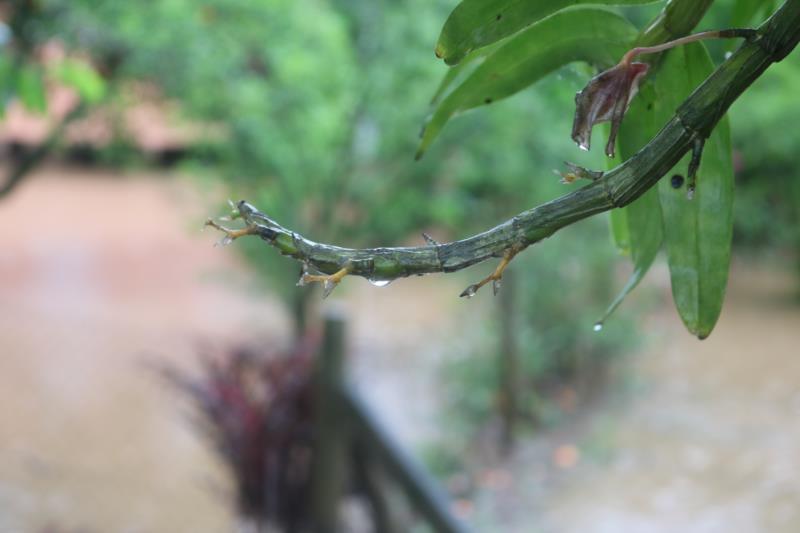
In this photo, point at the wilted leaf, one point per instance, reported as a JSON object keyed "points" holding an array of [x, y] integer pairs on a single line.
{"points": [[477, 23], [582, 34], [606, 99]]}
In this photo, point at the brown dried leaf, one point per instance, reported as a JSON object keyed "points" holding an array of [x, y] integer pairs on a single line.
{"points": [[606, 97]]}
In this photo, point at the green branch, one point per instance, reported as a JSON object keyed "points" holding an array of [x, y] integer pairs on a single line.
{"points": [[694, 119]]}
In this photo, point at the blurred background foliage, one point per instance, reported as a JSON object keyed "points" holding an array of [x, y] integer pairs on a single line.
{"points": [[311, 110]]}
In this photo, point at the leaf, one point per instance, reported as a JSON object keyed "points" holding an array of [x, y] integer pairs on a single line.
{"points": [[698, 232], [582, 34], [638, 226], [30, 88], [458, 72], [745, 11], [83, 78], [477, 23]]}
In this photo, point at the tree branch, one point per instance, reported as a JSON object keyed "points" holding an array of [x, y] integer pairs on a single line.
{"points": [[694, 119]]}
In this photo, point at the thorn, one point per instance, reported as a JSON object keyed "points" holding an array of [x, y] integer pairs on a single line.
{"points": [[575, 172], [329, 282], [230, 234], [430, 240], [694, 165], [496, 276]]}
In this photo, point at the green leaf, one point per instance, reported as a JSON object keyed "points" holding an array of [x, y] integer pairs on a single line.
{"points": [[637, 228], [460, 71], [745, 12], [477, 23], [620, 236], [30, 88], [582, 34], [83, 78], [698, 232]]}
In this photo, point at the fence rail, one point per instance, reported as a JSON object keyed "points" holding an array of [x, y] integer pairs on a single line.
{"points": [[345, 423]]}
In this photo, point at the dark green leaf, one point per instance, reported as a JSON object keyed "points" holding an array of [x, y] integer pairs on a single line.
{"points": [[698, 232], [477, 23], [582, 34]]}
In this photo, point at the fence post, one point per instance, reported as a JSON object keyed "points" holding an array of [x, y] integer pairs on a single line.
{"points": [[330, 443], [509, 362]]}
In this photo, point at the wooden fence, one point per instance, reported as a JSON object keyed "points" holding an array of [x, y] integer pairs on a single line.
{"points": [[350, 434]]}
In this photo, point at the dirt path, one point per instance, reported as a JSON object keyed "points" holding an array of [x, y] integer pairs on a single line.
{"points": [[101, 271]]}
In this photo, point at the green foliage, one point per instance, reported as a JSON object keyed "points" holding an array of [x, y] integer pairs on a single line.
{"points": [[581, 34], [698, 232], [83, 78], [30, 88], [474, 24], [637, 228]]}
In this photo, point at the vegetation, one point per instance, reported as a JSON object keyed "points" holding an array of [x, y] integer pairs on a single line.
{"points": [[314, 120]]}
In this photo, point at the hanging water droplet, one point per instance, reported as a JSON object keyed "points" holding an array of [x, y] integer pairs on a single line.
{"points": [[598, 326], [690, 193], [496, 284], [225, 241], [469, 292], [380, 282], [327, 288], [583, 146]]}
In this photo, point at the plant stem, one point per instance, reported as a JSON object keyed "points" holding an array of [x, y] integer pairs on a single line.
{"points": [[697, 116], [713, 34]]}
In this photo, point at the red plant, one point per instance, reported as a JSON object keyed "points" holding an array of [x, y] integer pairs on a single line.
{"points": [[258, 411]]}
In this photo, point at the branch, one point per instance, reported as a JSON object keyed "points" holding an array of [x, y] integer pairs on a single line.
{"points": [[693, 120]]}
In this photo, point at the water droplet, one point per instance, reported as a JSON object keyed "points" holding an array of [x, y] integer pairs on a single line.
{"points": [[496, 284], [598, 326], [690, 193], [728, 55], [327, 288], [469, 292], [225, 241], [380, 282], [583, 146]]}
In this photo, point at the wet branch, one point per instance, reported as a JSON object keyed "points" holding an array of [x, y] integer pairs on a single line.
{"points": [[693, 120]]}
